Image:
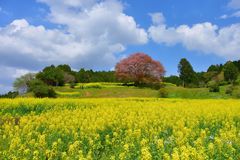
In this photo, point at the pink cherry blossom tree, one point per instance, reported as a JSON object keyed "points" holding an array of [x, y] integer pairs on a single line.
{"points": [[139, 68]]}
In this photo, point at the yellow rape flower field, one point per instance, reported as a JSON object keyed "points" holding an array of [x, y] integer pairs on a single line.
{"points": [[128, 128]]}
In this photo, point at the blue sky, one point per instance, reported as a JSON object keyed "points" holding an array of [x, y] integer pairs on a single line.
{"points": [[97, 33]]}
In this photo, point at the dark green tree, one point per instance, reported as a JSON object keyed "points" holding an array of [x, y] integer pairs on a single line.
{"points": [[65, 68], [173, 79], [201, 80], [230, 72], [186, 72], [40, 89], [215, 68], [52, 75], [237, 64], [83, 76], [10, 94]]}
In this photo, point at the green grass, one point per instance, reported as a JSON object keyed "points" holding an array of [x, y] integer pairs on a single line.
{"points": [[116, 90], [196, 93]]}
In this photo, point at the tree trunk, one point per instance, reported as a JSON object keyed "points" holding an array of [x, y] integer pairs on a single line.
{"points": [[183, 84]]}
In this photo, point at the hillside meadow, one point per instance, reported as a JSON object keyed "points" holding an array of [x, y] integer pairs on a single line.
{"points": [[119, 128], [117, 90]]}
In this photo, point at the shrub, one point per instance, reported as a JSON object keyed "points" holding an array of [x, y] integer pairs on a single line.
{"points": [[229, 90], [10, 95], [72, 85], [52, 93], [192, 85], [236, 92], [93, 85], [163, 93], [156, 86], [214, 87], [128, 84], [237, 82], [223, 83], [44, 91], [237, 95], [41, 90]]}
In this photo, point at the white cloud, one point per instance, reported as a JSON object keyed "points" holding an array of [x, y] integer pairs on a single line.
{"points": [[3, 11], [8, 74], [92, 35], [94, 32], [20, 72], [95, 21], [225, 16], [20, 38], [235, 4], [157, 18], [202, 37], [12, 72], [5, 88], [236, 14]]}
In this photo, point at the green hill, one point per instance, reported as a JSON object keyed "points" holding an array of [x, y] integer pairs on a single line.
{"points": [[116, 90]]}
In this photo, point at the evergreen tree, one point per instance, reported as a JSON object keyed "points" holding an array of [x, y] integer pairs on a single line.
{"points": [[51, 75], [186, 72], [230, 72], [215, 68], [237, 64], [65, 68], [173, 79]]}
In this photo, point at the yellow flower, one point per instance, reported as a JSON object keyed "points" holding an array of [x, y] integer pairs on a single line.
{"points": [[111, 128], [160, 144], [145, 154], [126, 147]]}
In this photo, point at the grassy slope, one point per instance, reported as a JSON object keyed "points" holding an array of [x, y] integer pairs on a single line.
{"points": [[114, 90], [106, 92], [195, 93]]}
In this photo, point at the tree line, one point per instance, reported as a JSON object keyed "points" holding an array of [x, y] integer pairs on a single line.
{"points": [[62, 74], [219, 74], [138, 69], [42, 83]]}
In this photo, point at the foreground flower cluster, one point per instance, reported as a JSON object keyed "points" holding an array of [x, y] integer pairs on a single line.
{"points": [[119, 129]]}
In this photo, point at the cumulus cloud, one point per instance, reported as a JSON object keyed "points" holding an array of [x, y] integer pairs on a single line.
{"points": [[235, 4], [101, 30], [235, 14], [94, 21], [5, 88], [157, 18], [14, 72], [7, 76], [92, 35], [203, 37], [3, 11], [225, 16]]}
